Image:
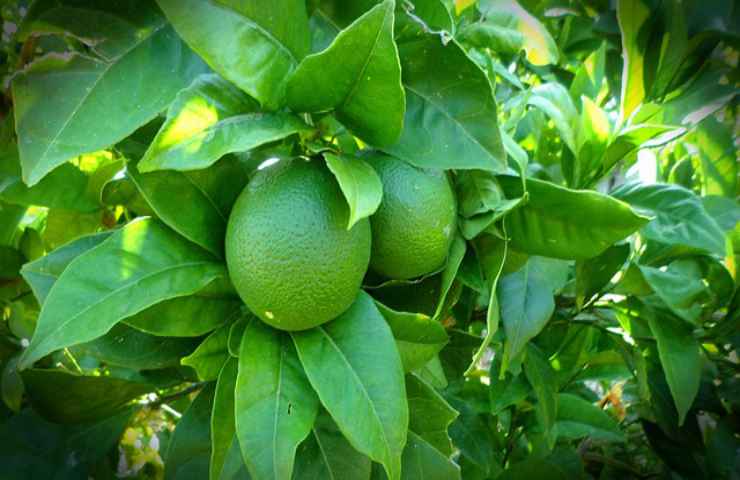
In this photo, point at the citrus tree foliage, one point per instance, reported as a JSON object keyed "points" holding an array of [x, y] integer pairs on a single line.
{"points": [[585, 322]]}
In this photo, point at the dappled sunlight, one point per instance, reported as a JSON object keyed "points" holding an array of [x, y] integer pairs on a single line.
{"points": [[132, 240], [195, 117]]}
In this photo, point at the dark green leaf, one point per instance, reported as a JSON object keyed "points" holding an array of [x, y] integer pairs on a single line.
{"points": [[128, 347], [145, 263], [595, 273], [680, 285], [275, 405], [275, 33], [718, 154], [450, 117], [209, 119], [64, 397], [358, 76], [578, 418], [681, 358], [543, 381], [356, 383], [190, 446], [429, 415], [223, 424], [562, 223], [327, 454]]}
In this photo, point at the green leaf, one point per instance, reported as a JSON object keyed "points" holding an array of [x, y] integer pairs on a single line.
{"points": [[493, 265], [358, 76], [718, 155], [632, 16], [145, 263], [363, 389], [209, 195], [275, 405], [526, 299], [11, 385], [204, 313], [590, 75], [433, 13], [421, 461], [451, 119], [553, 99], [429, 415], [41, 274], [236, 332], [680, 356], [97, 101], [128, 347], [449, 274], [508, 28], [562, 223], [65, 187], [211, 355], [680, 285], [544, 383], [360, 185], [223, 423], [418, 337], [327, 454], [275, 33], [680, 218], [595, 273], [209, 119], [533, 467], [64, 397], [579, 418], [190, 446]]}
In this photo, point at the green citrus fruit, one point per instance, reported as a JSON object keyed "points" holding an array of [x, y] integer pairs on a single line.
{"points": [[415, 223], [288, 251]]}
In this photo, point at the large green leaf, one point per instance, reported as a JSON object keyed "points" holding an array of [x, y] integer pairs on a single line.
{"points": [[451, 119], [680, 355], [65, 397], [41, 274], [544, 383], [526, 299], [508, 28], [145, 263], [273, 32], [632, 16], [209, 119], [362, 388], [418, 337], [680, 217], [128, 347], [562, 223], [327, 454], [275, 405], [578, 418], [209, 195], [360, 185], [190, 447], [211, 355], [421, 461], [358, 76], [67, 105]]}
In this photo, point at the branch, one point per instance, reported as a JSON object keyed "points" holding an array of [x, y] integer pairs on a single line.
{"points": [[194, 387]]}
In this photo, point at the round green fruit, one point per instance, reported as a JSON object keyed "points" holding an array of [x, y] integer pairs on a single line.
{"points": [[288, 251], [415, 223]]}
